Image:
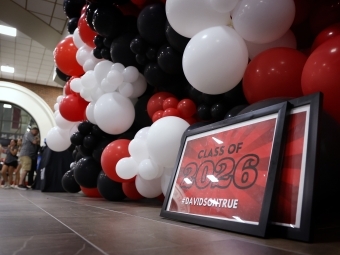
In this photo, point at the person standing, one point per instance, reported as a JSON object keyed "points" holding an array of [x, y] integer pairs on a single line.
{"points": [[17, 170], [11, 162], [27, 153]]}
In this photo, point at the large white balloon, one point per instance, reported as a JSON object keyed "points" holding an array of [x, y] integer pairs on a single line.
{"points": [[287, 40], [148, 188], [138, 150], [164, 138], [63, 123], [142, 133], [165, 179], [263, 21], [192, 16], [139, 86], [215, 59], [90, 112], [101, 70], [57, 140], [126, 168], [223, 6], [114, 113]]}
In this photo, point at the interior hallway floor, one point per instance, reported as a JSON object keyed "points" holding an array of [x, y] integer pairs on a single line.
{"points": [[36, 223]]}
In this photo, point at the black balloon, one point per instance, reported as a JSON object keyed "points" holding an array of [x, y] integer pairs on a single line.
{"points": [[151, 22], [151, 53], [142, 59], [90, 142], [61, 75], [109, 2], [235, 96], [86, 172], [219, 110], [96, 131], [79, 156], [177, 41], [85, 127], [169, 60], [142, 118], [84, 151], [74, 154], [107, 21], [197, 125], [72, 24], [154, 75], [98, 41], [195, 95], [77, 138], [98, 150], [109, 189], [211, 99], [107, 42], [97, 52], [129, 135], [69, 182], [235, 111], [129, 24], [203, 112], [120, 50], [90, 9], [138, 45], [72, 8], [105, 53]]}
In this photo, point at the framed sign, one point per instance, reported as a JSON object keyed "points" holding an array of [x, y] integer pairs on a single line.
{"points": [[292, 215], [225, 172]]}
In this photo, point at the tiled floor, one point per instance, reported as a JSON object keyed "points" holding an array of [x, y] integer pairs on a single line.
{"points": [[35, 223]]}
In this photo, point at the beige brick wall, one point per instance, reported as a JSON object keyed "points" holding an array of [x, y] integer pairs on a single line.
{"points": [[48, 93]]}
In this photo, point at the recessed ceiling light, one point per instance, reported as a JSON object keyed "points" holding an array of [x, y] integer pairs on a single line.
{"points": [[7, 106], [7, 69], [11, 31]]}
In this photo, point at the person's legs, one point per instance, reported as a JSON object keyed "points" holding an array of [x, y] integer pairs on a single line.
{"points": [[31, 172], [10, 174], [26, 163], [4, 174], [17, 175]]}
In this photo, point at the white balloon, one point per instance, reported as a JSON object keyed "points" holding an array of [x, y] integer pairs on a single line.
{"points": [[142, 133], [90, 112], [63, 123], [223, 6], [78, 42], [118, 67], [215, 60], [56, 106], [287, 40], [59, 98], [107, 87], [130, 74], [97, 94], [139, 86], [83, 54], [125, 89], [76, 85], [138, 150], [56, 139], [147, 169], [89, 65], [160, 170], [115, 78], [263, 21], [192, 16], [148, 188], [88, 80], [86, 94], [102, 69], [164, 138], [56, 113], [114, 113], [126, 168], [133, 100], [74, 128], [165, 179]]}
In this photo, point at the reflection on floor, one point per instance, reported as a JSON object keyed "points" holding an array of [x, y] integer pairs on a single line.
{"points": [[36, 223]]}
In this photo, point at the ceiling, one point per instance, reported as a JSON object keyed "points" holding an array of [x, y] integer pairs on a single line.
{"points": [[40, 25]]}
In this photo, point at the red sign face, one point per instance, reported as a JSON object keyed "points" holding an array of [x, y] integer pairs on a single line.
{"points": [[223, 174], [288, 201]]}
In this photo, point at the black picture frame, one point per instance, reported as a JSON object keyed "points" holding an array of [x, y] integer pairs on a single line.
{"points": [[275, 161], [303, 231]]}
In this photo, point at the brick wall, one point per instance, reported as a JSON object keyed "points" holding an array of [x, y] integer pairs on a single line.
{"points": [[48, 93]]}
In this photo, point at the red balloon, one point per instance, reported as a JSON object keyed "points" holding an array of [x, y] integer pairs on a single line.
{"points": [[161, 198], [91, 192], [187, 108], [72, 107], [191, 120], [324, 14], [85, 32], [65, 57], [170, 102], [172, 112], [130, 191], [112, 153], [302, 9], [155, 102], [326, 34], [157, 115], [83, 10], [68, 90], [129, 9], [322, 73], [274, 73]]}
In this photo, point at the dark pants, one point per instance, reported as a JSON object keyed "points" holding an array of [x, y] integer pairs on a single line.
{"points": [[31, 172]]}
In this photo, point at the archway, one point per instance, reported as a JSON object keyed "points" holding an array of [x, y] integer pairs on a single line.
{"points": [[31, 102]]}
